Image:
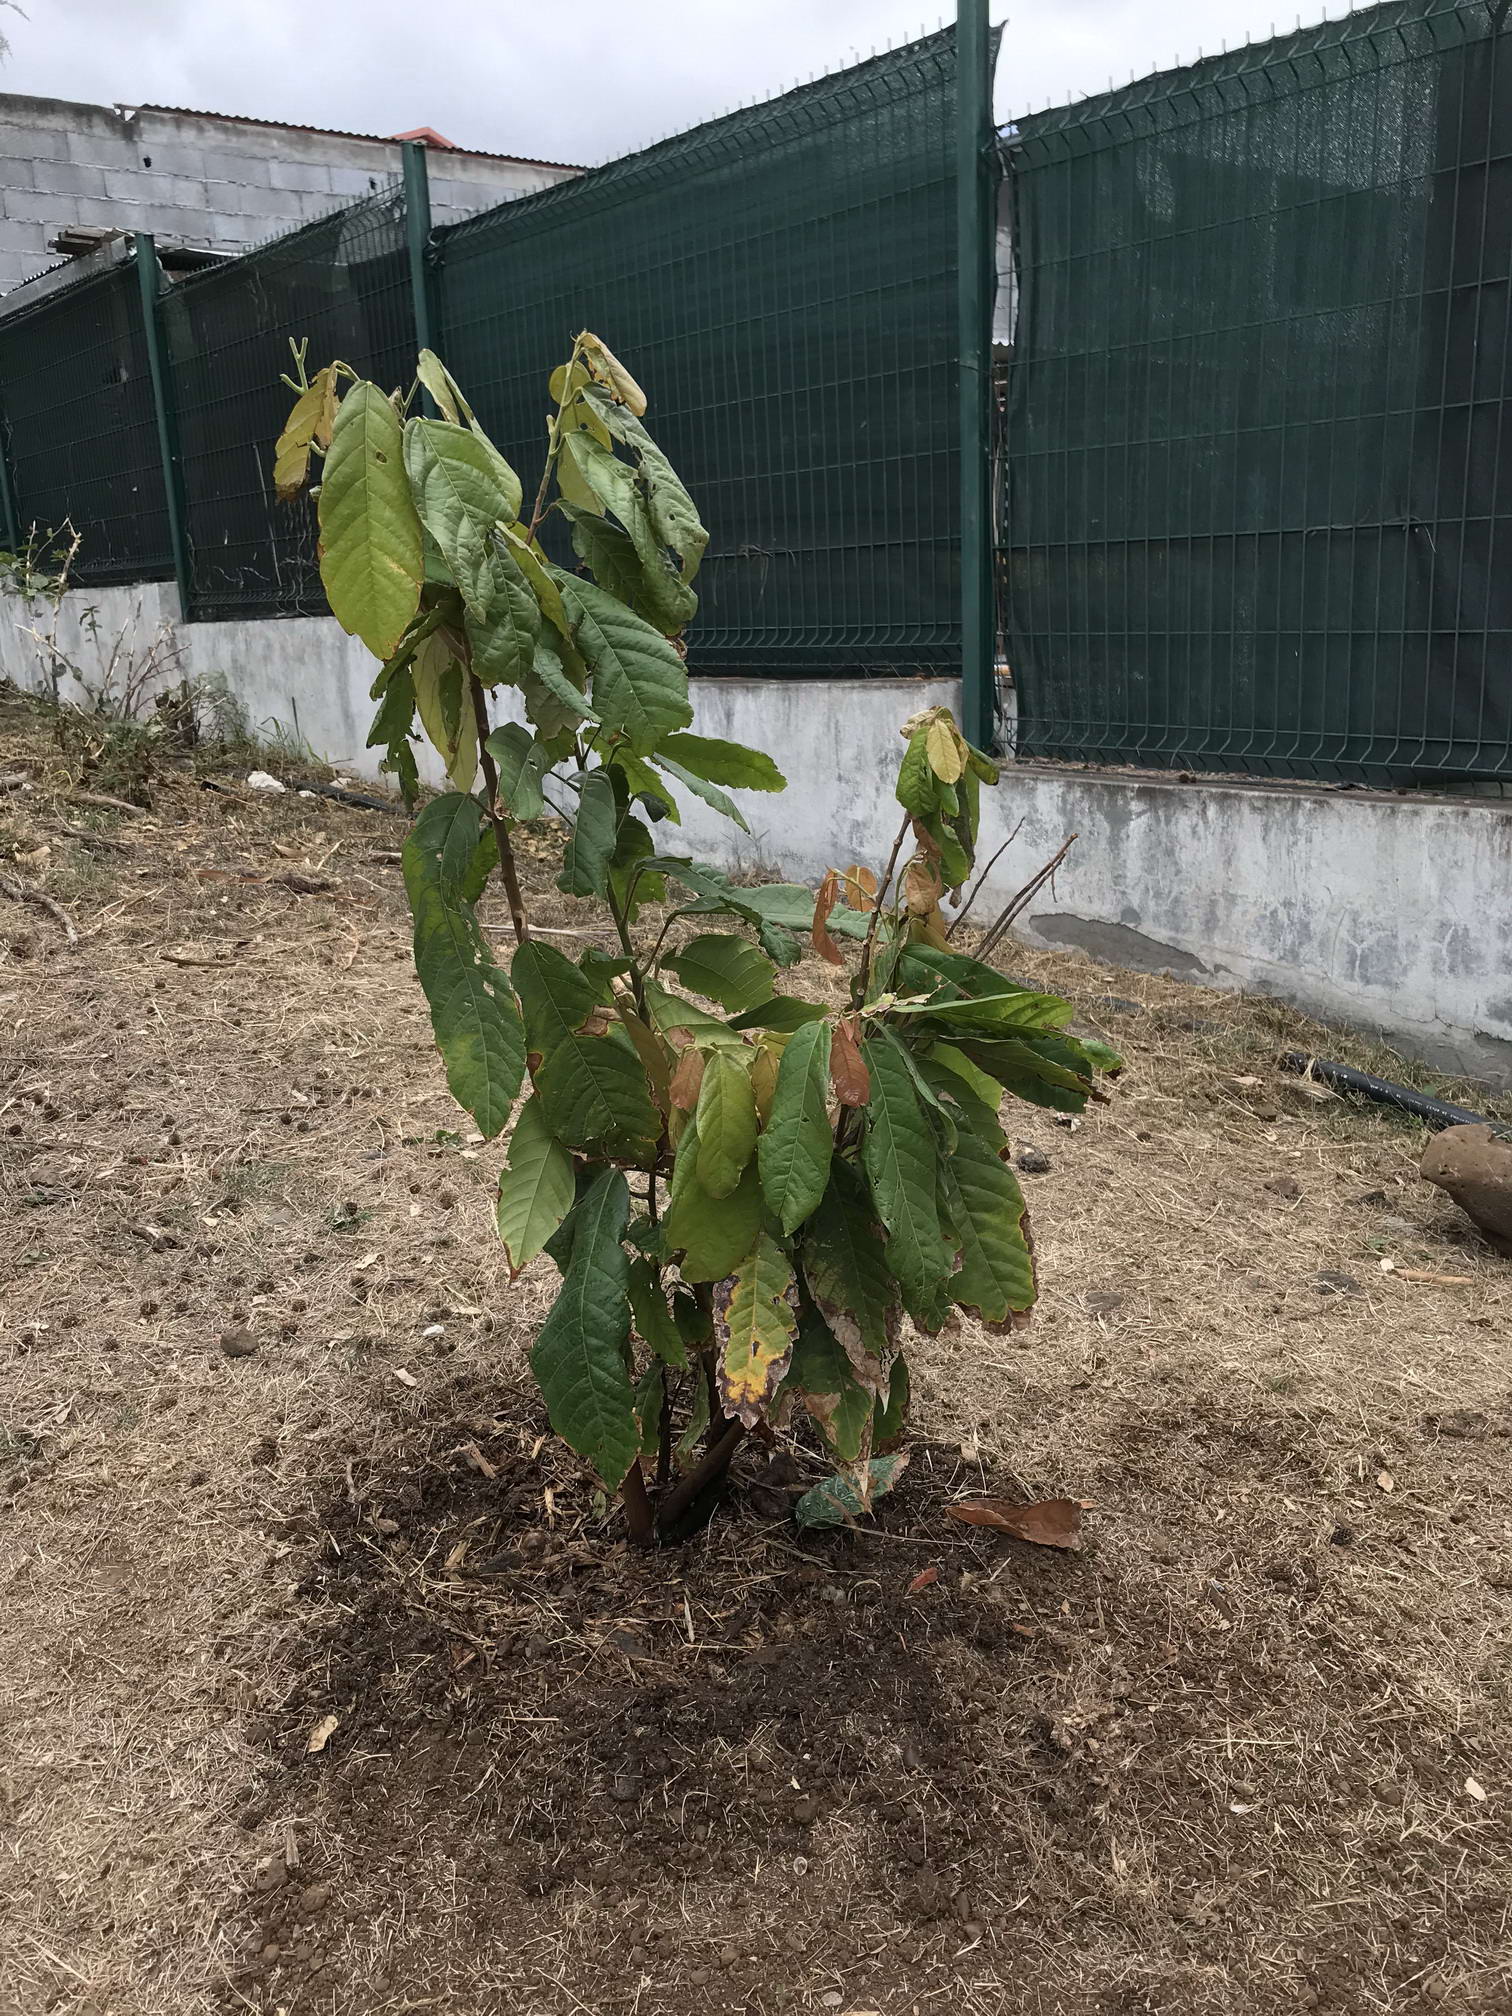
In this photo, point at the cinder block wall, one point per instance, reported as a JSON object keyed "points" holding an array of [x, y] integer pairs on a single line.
{"points": [[223, 184]]}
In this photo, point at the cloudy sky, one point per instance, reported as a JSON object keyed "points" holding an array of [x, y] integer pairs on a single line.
{"points": [[583, 83]]}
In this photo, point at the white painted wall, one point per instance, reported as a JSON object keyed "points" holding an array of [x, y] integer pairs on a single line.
{"points": [[1391, 913]]}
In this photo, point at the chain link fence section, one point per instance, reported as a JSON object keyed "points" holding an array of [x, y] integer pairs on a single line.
{"points": [[1254, 513], [79, 429], [343, 283], [782, 282]]}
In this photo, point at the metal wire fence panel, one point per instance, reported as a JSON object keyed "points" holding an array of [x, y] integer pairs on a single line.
{"points": [[342, 282], [782, 283], [80, 428], [1256, 512]]}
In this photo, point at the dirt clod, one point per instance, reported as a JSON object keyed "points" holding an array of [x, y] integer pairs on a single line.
{"points": [[238, 1342]]}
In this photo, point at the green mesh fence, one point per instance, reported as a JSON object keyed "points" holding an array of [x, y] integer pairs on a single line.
{"points": [[343, 283], [782, 282], [1257, 515], [79, 431]]}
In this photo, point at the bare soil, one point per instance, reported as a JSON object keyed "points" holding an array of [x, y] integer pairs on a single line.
{"points": [[1248, 1750]]}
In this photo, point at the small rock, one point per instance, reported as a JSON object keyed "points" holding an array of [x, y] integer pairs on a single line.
{"points": [[624, 1786], [729, 1956], [314, 1897], [273, 1876], [701, 1977], [832, 2000], [238, 1343], [1331, 1282], [1474, 1165], [434, 1330], [1033, 1161], [806, 1812], [1284, 1186]]}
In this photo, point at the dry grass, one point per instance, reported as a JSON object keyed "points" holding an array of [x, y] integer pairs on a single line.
{"points": [[1221, 1762]]}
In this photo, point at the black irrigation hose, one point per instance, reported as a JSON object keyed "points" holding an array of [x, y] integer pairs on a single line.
{"points": [[342, 797], [1344, 1078]]}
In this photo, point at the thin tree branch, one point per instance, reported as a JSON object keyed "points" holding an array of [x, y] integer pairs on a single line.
{"points": [[23, 892], [976, 887], [994, 932], [858, 990], [500, 823]]}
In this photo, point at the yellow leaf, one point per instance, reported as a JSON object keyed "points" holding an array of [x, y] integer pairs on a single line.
{"points": [[611, 374], [943, 747], [307, 423], [755, 1323]]}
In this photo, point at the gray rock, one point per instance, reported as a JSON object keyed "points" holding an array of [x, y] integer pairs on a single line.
{"points": [[1033, 1161], [238, 1343]]}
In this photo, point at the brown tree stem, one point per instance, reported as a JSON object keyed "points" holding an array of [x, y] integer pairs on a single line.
{"points": [[638, 1507], [714, 1462], [496, 816], [858, 993], [991, 937]]}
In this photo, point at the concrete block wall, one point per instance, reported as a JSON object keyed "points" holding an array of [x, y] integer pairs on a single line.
{"points": [[220, 184], [1382, 912]]}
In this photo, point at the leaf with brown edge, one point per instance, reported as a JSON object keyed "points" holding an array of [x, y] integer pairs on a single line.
{"points": [[848, 1072], [687, 1078], [1048, 1522], [858, 887], [755, 1322], [824, 902], [651, 1051]]}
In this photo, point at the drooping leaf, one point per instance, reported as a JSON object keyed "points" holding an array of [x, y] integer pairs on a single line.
{"points": [[450, 833], [925, 967], [371, 562], [446, 713], [840, 1500], [713, 1234], [728, 763], [653, 1319], [536, 1190], [821, 1376], [891, 1417], [754, 1325], [523, 760], [918, 790], [391, 729], [649, 1400], [791, 906], [985, 1209], [795, 1146], [825, 900], [473, 1009], [595, 1096], [632, 564], [902, 1160], [726, 1120], [674, 517], [609, 372], [848, 1072], [975, 1084], [590, 845], [1013, 1009], [504, 641], [858, 887], [845, 1266], [701, 788], [639, 684], [553, 699], [1022, 1071], [780, 946], [945, 750], [579, 1357], [291, 457], [646, 784], [723, 968], [462, 490]]}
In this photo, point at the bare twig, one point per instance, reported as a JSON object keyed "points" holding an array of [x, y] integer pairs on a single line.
{"points": [[23, 892], [104, 798], [863, 973], [994, 932], [500, 823], [976, 887]]}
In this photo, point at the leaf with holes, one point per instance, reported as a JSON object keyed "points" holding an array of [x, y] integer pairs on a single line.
{"points": [[537, 1188], [371, 562], [754, 1326], [580, 1355], [595, 1096]]}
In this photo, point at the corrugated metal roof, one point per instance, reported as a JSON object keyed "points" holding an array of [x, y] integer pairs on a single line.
{"points": [[341, 133]]}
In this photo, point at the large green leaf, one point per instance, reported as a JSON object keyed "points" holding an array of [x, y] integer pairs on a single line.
{"points": [[918, 789], [556, 996], [674, 517], [536, 1190], [639, 684], [902, 1159], [985, 1208], [580, 1355], [726, 1121], [631, 564], [754, 1324], [1023, 1071], [991, 1013], [653, 1318], [523, 761], [781, 1012], [713, 1234], [504, 639], [371, 562], [790, 905], [701, 788], [450, 832], [795, 1147], [730, 763], [473, 1009], [845, 1265], [596, 1098], [821, 1376], [590, 845], [462, 490], [725, 969]]}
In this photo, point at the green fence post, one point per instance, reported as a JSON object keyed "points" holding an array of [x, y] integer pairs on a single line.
{"points": [[975, 227], [417, 230], [10, 517], [160, 371]]}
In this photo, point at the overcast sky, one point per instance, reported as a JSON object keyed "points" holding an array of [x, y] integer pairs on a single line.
{"points": [[578, 83]]}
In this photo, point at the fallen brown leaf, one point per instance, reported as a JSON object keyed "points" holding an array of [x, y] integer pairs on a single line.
{"points": [[321, 1734], [925, 1578], [1048, 1522]]}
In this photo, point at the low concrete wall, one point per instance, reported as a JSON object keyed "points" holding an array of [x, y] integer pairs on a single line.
{"points": [[1389, 913]]}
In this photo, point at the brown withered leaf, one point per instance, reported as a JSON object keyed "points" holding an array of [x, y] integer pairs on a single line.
{"points": [[848, 1072], [923, 1580], [922, 887], [819, 937], [682, 1089], [859, 888], [1048, 1522], [651, 1051]]}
